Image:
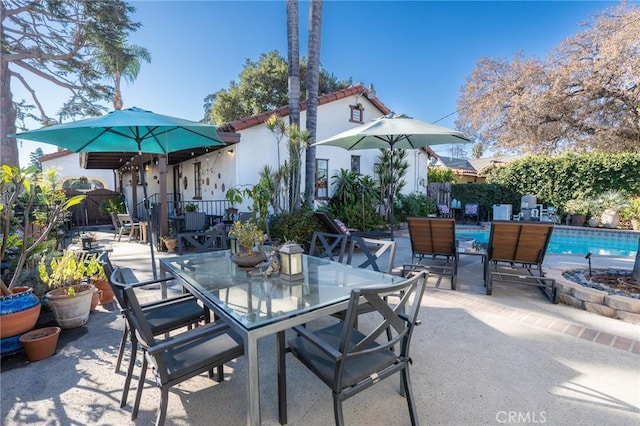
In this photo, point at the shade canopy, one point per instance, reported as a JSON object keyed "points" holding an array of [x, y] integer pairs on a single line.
{"points": [[394, 131], [127, 130]]}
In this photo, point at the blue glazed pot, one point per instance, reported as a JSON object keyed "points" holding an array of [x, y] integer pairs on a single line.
{"points": [[18, 314]]}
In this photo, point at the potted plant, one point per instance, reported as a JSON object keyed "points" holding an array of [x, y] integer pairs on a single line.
{"points": [[69, 298], [190, 207], [632, 213], [20, 190], [95, 272], [233, 196], [248, 235], [170, 242], [611, 202], [578, 208]]}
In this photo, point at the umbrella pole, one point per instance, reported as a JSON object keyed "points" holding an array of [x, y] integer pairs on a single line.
{"points": [[392, 215], [145, 203]]}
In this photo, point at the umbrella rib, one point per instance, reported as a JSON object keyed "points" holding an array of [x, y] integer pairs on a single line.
{"points": [[91, 141]]}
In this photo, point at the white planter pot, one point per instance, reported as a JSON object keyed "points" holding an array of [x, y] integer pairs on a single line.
{"points": [[610, 218], [71, 311]]}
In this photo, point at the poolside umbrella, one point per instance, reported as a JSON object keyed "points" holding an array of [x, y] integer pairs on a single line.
{"points": [[394, 131], [128, 130]]}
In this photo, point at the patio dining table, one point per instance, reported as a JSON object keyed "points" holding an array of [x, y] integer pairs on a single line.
{"points": [[255, 305]]}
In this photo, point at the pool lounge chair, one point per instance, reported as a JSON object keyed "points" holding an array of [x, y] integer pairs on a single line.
{"points": [[333, 227], [433, 239], [515, 253]]}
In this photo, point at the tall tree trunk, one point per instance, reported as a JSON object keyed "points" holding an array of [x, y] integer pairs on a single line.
{"points": [[117, 94], [313, 75], [293, 55], [9, 152]]}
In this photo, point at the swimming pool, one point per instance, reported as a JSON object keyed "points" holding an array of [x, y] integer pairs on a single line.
{"points": [[573, 240]]}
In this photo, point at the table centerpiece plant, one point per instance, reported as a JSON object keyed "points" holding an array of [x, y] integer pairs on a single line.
{"points": [[250, 239]]}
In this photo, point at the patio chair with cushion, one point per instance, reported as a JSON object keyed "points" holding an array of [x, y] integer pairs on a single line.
{"points": [[163, 315], [349, 360], [516, 251], [336, 227], [374, 251], [471, 211], [179, 357], [326, 245], [444, 210], [433, 244]]}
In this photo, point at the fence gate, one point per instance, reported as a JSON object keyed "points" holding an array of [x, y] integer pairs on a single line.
{"points": [[441, 192], [88, 212]]}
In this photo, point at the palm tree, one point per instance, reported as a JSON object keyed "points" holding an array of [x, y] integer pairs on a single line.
{"points": [[118, 61], [313, 75], [293, 49]]}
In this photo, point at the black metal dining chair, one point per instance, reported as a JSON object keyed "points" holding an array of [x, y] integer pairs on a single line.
{"points": [[349, 360], [328, 245], [163, 316], [179, 357]]}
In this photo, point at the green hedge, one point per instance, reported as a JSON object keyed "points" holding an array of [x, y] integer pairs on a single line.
{"points": [[486, 195], [556, 180]]}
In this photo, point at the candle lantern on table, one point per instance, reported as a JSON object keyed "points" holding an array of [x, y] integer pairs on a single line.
{"points": [[291, 262]]}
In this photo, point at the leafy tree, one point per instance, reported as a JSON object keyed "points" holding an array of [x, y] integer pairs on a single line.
{"points": [[583, 96], [262, 87], [56, 41], [441, 174], [34, 159], [117, 61], [391, 169]]}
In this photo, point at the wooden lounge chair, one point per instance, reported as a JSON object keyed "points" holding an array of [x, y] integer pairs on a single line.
{"points": [[434, 238], [521, 246], [333, 227]]}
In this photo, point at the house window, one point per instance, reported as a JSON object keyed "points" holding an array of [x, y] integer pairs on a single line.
{"points": [[322, 182], [355, 164], [357, 113], [197, 181]]}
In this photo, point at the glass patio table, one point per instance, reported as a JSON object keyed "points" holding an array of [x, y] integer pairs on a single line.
{"points": [[255, 306]]}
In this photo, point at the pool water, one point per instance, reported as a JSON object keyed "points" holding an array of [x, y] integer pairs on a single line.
{"points": [[565, 240]]}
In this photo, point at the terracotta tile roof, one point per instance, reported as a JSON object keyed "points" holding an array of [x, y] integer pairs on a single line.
{"points": [[54, 155], [258, 119]]}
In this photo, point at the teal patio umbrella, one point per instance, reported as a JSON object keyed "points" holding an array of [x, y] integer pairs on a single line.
{"points": [[394, 131], [128, 130]]}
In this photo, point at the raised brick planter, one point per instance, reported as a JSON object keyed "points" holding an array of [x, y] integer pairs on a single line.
{"points": [[597, 301]]}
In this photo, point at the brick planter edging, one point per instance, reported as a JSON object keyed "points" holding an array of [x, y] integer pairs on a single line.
{"points": [[597, 301]]}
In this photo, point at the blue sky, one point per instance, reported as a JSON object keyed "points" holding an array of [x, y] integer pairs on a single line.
{"points": [[417, 54]]}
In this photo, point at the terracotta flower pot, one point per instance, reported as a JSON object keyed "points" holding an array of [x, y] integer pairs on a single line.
{"points": [[40, 343], [95, 299], [18, 312], [171, 245], [107, 293]]}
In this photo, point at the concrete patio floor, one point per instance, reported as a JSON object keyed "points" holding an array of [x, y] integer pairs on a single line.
{"points": [[508, 358]]}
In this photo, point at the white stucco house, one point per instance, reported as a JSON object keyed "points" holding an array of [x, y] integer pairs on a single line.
{"points": [[70, 170], [207, 176]]}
